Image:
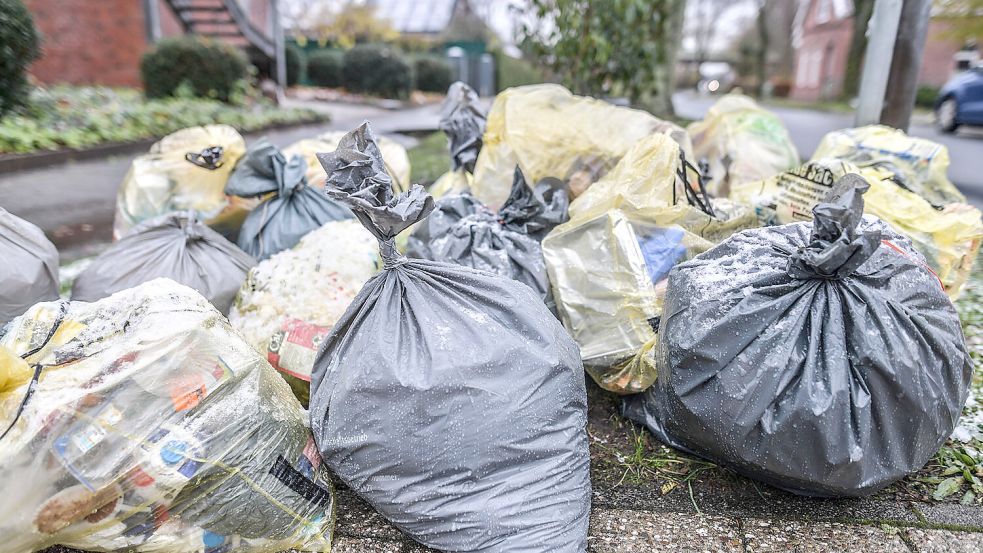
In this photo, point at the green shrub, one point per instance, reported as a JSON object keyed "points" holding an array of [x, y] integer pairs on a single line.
{"points": [[324, 68], [376, 69], [294, 59], [432, 74], [516, 72], [19, 46], [209, 69], [925, 96]]}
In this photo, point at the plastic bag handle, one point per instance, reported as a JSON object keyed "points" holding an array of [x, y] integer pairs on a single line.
{"points": [[209, 158]]}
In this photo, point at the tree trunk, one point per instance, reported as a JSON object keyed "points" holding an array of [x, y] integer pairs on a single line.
{"points": [[862, 9], [761, 61], [671, 22], [902, 85]]}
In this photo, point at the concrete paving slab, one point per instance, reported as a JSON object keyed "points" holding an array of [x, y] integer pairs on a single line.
{"points": [[965, 517], [766, 536], [623, 531], [944, 541]]}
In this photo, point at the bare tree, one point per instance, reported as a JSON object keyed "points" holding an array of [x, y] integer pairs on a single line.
{"points": [[702, 20]]}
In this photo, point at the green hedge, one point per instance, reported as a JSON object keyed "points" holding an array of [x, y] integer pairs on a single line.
{"points": [[19, 46], [376, 69], [209, 69], [925, 96], [516, 72], [294, 58], [432, 74], [324, 68]]}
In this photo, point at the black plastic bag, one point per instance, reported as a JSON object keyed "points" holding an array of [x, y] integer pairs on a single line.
{"points": [[462, 230], [175, 245], [823, 358], [294, 209], [450, 399], [463, 121]]}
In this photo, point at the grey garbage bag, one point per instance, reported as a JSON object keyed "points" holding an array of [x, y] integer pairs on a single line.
{"points": [[823, 358], [176, 245], [30, 272], [293, 210], [462, 230], [448, 398], [463, 121]]}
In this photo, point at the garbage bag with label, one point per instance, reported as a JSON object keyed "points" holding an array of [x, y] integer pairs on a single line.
{"points": [[742, 143], [176, 246], [918, 165], [948, 237], [481, 442], [291, 209], [608, 264], [549, 132], [821, 357], [461, 230], [186, 169], [463, 121], [143, 423], [290, 301], [31, 266], [397, 159]]}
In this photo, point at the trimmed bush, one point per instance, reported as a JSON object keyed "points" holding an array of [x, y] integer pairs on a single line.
{"points": [[376, 69], [294, 59], [324, 68], [925, 96], [19, 46], [210, 69], [432, 74]]}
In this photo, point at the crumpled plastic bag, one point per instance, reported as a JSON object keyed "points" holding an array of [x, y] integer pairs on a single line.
{"points": [[609, 263], [823, 358], [915, 164], [397, 159], [290, 301], [292, 209], [30, 262], [949, 238], [463, 121], [479, 442], [153, 427], [549, 132], [741, 142], [461, 230], [186, 169], [176, 246]]}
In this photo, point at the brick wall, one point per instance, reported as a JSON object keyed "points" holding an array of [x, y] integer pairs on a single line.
{"points": [[89, 41], [938, 58]]}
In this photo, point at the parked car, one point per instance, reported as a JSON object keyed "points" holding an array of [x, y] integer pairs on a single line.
{"points": [[960, 102]]}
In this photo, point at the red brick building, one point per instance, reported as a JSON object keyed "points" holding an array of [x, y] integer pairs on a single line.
{"points": [[821, 39], [101, 41]]}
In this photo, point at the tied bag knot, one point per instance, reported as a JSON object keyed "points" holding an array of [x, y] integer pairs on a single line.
{"points": [[534, 210], [836, 249], [357, 177]]}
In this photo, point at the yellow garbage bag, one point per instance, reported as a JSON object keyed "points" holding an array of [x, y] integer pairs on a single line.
{"points": [[916, 164], [397, 160], [948, 239], [14, 372], [742, 142], [186, 169], [549, 132], [451, 182], [290, 302], [153, 427], [608, 264]]}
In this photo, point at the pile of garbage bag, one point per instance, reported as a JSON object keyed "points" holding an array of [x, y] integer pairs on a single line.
{"points": [[290, 207], [175, 245], [30, 264], [290, 301], [609, 263], [822, 357], [468, 365], [397, 160], [549, 132], [462, 230], [186, 169], [741, 142], [142, 422], [948, 237]]}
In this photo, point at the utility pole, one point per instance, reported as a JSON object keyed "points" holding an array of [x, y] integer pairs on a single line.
{"points": [[881, 32], [902, 85]]}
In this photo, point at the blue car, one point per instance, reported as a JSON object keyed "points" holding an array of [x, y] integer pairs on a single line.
{"points": [[960, 101]]}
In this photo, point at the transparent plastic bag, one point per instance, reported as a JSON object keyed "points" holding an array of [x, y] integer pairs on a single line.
{"points": [[742, 143], [549, 132], [290, 302], [152, 427], [186, 169], [609, 263]]}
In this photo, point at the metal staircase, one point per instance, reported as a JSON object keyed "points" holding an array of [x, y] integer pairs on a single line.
{"points": [[226, 21]]}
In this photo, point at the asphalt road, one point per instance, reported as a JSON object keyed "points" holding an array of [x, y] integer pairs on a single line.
{"points": [[807, 128]]}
